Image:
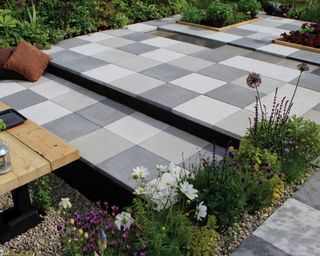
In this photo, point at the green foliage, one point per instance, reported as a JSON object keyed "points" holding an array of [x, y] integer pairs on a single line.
{"points": [[261, 170], [222, 190], [193, 14], [167, 232], [250, 7], [218, 11], [3, 126], [204, 239], [41, 194], [311, 14]]}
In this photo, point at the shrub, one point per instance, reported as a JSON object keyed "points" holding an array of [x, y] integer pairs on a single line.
{"points": [[41, 194], [311, 14], [218, 11], [193, 14], [221, 188], [250, 7]]}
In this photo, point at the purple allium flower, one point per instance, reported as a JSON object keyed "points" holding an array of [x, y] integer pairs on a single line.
{"points": [[59, 226], [254, 80], [303, 67]]}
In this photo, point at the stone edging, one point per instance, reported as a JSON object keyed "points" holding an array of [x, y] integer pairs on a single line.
{"points": [[297, 46]]}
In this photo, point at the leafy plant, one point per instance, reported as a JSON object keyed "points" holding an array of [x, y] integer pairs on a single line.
{"points": [[311, 14], [193, 14], [41, 194], [218, 11], [3, 126], [250, 7]]}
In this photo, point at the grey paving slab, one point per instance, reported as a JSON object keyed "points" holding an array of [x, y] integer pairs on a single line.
{"points": [[72, 42], [166, 72], [121, 165], [191, 63], [234, 95], [174, 145], [309, 193], [312, 115], [317, 108], [71, 127], [138, 63], [168, 96], [220, 53], [63, 57], [255, 246], [113, 55], [289, 26], [119, 32], [138, 36], [158, 23], [22, 99], [249, 43], [307, 56], [136, 83], [138, 48], [83, 64], [316, 71], [264, 57], [100, 145], [294, 228], [74, 100], [223, 72], [309, 81], [105, 112], [239, 32], [116, 42]]}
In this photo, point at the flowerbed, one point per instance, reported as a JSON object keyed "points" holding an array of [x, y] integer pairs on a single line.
{"points": [[308, 35], [218, 13], [183, 212]]}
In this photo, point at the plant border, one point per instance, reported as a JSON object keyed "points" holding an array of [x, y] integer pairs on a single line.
{"points": [[297, 46], [215, 28]]}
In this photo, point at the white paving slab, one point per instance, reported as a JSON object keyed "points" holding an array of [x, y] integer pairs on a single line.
{"points": [[304, 100], [205, 110], [223, 37], [160, 42], [198, 83], [278, 49], [44, 112], [264, 68], [293, 228], [108, 73], [262, 29], [141, 27], [90, 49], [50, 89], [163, 55], [10, 88], [95, 37], [136, 127]]}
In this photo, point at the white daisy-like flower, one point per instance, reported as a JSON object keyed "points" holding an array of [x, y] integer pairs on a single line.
{"points": [[201, 211], [65, 203], [124, 220], [140, 172], [139, 191], [162, 168], [187, 189]]}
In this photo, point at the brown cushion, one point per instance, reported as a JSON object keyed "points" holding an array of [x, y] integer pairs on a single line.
{"points": [[28, 61], [5, 54]]}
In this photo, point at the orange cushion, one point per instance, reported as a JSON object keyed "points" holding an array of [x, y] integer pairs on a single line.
{"points": [[28, 61], [5, 54]]}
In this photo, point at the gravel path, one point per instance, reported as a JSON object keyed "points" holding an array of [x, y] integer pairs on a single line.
{"points": [[44, 238]]}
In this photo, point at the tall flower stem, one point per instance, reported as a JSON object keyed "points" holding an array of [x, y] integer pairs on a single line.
{"points": [[262, 113], [293, 95]]}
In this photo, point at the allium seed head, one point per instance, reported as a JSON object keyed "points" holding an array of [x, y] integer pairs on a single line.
{"points": [[253, 80], [303, 67]]}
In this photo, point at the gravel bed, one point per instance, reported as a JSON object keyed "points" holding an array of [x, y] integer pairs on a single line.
{"points": [[44, 239]]}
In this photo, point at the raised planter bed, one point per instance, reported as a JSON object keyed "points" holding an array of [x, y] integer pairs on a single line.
{"points": [[297, 46], [216, 28]]}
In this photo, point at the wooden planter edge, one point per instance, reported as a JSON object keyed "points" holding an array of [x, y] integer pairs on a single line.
{"points": [[217, 29], [297, 46]]}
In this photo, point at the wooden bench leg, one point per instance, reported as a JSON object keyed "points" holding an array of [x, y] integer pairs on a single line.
{"points": [[20, 218]]}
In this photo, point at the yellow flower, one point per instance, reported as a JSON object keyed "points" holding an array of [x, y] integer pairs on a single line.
{"points": [[86, 235], [72, 221], [80, 232]]}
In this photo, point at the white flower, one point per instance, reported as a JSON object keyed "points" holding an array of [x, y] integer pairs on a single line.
{"points": [[140, 172], [139, 191], [187, 189], [124, 220], [162, 168], [201, 211], [65, 203]]}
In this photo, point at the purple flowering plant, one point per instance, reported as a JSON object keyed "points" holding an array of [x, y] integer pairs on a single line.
{"points": [[101, 231]]}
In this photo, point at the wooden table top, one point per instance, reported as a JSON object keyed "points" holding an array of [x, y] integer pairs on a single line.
{"points": [[34, 152]]}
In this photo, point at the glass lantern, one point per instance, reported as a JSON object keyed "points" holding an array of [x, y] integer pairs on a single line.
{"points": [[5, 164]]}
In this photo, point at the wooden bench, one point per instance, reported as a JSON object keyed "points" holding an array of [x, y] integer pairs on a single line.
{"points": [[34, 152]]}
